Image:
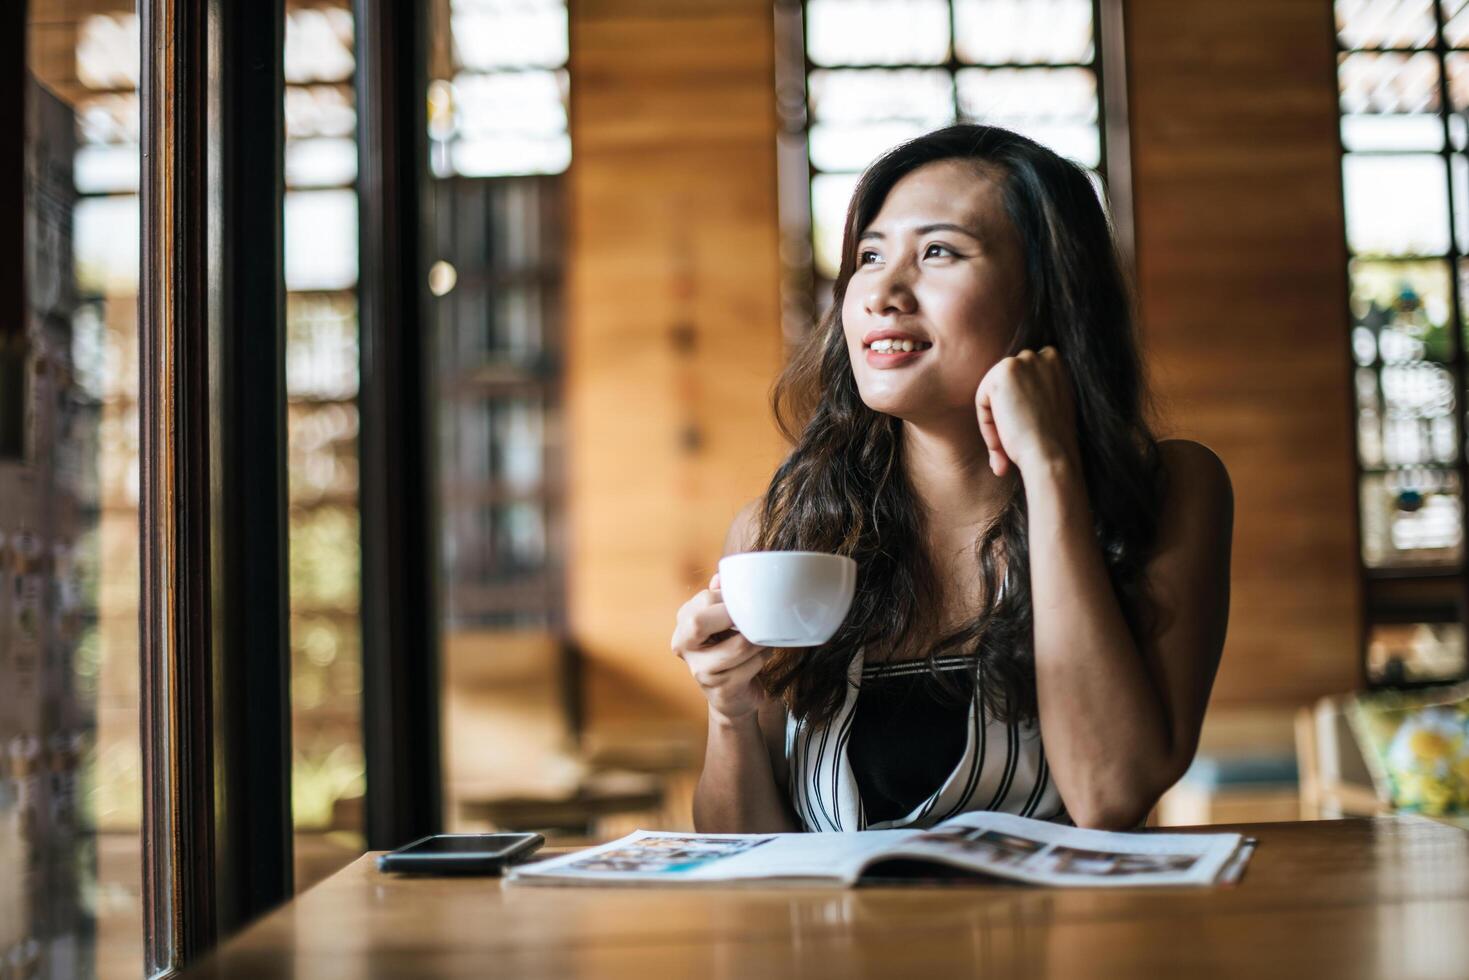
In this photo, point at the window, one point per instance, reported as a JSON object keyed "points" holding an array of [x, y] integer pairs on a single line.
{"points": [[327, 768], [1403, 78], [497, 102], [874, 73], [499, 144], [70, 760]]}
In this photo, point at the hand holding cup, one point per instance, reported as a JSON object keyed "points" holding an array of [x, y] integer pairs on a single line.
{"points": [[722, 661]]}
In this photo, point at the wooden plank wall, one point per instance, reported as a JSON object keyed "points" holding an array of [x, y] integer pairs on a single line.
{"points": [[674, 328], [674, 333], [1242, 282]]}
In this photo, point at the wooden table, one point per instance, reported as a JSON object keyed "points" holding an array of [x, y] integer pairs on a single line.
{"points": [[1386, 897]]}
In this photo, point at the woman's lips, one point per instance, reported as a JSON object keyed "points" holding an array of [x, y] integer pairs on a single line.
{"points": [[894, 359]]}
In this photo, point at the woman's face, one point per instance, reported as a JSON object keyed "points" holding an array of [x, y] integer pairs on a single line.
{"points": [[939, 268]]}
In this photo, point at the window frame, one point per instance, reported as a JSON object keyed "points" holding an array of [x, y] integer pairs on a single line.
{"points": [[1427, 593], [805, 292]]}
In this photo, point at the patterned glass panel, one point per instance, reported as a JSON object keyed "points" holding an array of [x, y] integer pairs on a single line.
{"points": [[1390, 102], [319, 45], [495, 34], [1459, 168], [1400, 341], [1464, 302], [857, 114], [877, 32], [502, 441], [1023, 32], [107, 234], [1408, 652], [498, 106], [106, 169], [830, 195], [511, 123], [1411, 518], [1396, 205], [320, 110], [321, 347], [108, 119], [1456, 23], [107, 51], [107, 157], [1417, 413], [321, 162], [1055, 107], [1457, 68], [1385, 23], [1410, 298], [321, 239]]}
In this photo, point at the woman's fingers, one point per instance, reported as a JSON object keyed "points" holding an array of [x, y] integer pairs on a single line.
{"points": [[745, 671], [711, 621], [702, 622], [999, 460], [726, 666]]}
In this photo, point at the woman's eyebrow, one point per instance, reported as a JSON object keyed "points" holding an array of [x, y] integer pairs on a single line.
{"points": [[925, 229]]}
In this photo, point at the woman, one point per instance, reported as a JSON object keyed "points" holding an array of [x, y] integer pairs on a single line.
{"points": [[1043, 587]]}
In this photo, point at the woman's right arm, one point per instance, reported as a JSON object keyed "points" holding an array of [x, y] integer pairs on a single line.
{"points": [[739, 790]]}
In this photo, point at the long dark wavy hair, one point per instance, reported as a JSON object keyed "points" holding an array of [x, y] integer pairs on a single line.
{"points": [[844, 486]]}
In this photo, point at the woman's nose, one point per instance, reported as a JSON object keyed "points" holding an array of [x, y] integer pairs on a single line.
{"points": [[889, 293]]}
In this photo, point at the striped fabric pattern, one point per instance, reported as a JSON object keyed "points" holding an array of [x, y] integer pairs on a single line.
{"points": [[1003, 767]]}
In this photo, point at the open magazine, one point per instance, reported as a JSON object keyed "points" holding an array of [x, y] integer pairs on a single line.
{"points": [[982, 844]]}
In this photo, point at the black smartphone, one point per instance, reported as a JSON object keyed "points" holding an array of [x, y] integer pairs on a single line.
{"points": [[461, 854]]}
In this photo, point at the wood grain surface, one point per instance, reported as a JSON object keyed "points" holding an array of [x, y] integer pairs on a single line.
{"points": [[674, 330], [1385, 897], [1242, 284]]}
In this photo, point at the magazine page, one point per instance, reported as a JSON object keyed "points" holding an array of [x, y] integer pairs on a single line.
{"points": [[657, 857], [1052, 854]]}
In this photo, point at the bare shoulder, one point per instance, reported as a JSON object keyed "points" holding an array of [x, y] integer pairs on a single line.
{"points": [[744, 529], [1197, 482]]}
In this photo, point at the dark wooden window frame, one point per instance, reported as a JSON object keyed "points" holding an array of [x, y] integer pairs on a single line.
{"points": [[12, 228], [213, 610], [400, 675]]}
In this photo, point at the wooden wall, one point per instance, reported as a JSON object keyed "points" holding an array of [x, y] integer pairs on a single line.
{"points": [[674, 328], [1242, 280]]}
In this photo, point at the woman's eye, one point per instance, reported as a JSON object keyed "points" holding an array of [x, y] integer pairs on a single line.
{"points": [[867, 256]]}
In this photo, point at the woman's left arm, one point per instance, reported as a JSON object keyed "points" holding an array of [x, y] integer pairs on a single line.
{"points": [[1120, 715]]}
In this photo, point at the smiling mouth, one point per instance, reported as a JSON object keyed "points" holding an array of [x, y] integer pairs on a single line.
{"points": [[895, 346]]}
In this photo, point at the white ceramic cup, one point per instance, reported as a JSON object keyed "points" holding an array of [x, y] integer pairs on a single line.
{"points": [[787, 598]]}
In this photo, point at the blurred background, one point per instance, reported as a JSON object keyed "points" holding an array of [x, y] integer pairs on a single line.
{"points": [[636, 211]]}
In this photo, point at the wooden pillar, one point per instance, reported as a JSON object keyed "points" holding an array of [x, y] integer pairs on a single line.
{"points": [[674, 333], [1241, 269]]}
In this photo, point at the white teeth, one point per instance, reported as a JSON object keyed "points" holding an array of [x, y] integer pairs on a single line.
{"points": [[893, 345]]}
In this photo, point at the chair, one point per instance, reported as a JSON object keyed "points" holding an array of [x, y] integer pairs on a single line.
{"points": [[1334, 779]]}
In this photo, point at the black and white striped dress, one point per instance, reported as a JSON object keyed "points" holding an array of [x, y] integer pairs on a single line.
{"points": [[1002, 767]]}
